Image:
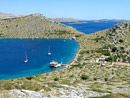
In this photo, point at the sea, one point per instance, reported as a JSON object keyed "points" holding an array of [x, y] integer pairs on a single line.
{"points": [[13, 52], [89, 27]]}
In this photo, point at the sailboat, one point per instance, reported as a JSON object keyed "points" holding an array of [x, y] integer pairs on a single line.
{"points": [[49, 53], [26, 60]]}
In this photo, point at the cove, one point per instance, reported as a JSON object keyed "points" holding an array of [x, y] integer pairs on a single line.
{"points": [[12, 56]]}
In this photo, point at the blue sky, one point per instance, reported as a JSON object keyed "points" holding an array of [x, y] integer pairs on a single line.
{"points": [[79, 9]]}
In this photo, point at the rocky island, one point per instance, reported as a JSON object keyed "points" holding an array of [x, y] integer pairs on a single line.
{"points": [[100, 69], [66, 19]]}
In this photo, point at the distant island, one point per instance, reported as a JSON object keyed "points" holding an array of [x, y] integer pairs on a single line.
{"points": [[5, 16], [77, 20], [66, 19]]}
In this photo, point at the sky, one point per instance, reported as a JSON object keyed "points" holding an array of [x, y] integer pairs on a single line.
{"points": [[79, 9]]}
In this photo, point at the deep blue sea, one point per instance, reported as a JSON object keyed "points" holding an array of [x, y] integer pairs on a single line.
{"points": [[12, 56], [91, 26]]}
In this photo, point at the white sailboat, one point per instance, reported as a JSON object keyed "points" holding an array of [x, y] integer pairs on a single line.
{"points": [[26, 60], [49, 53]]}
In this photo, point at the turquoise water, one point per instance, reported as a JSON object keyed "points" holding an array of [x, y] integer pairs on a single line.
{"points": [[12, 56]]}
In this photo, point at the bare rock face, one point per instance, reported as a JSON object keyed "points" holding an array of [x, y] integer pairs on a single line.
{"points": [[25, 94], [72, 93], [118, 31]]}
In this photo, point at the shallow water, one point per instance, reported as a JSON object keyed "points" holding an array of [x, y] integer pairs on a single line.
{"points": [[12, 56]]}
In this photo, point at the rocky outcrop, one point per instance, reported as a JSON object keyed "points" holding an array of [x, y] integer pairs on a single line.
{"points": [[25, 94], [118, 31], [71, 93]]}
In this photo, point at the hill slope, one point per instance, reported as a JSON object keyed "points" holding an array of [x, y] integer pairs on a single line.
{"points": [[34, 25]]}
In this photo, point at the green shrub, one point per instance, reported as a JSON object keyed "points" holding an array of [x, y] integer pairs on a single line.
{"points": [[72, 76], [78, 35], [107, 53], [106, 79], [82, 52], [103, 52], [109, 59], [114, 49], [122, 48], [56, 79], [95, 79], [29, 77], [109, 45], [84, 77], [121, 40], [79, 65], [99, 38]]}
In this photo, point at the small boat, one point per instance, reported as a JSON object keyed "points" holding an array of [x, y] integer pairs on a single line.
{"points": [[59, 65], [26, 60], [49, 53], [53, 64], [73, 38]]}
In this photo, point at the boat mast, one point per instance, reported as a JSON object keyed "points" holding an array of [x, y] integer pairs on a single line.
{"points": [[49, 49], [25, 56], [49, 53]]}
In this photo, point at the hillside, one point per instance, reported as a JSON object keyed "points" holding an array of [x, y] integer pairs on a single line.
{"points": [[119, 42], [33, 26]]}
